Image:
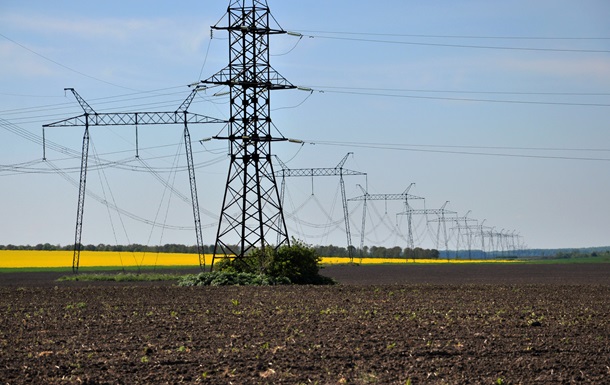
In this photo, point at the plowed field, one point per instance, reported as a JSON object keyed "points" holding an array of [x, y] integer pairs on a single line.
{"points": [[385, 325]]}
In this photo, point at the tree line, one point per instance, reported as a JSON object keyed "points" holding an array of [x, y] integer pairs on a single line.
{"points": [[167, 248], [326, 251], [378, 252]]}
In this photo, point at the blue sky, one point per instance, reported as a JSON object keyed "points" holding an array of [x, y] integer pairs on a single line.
{"points": [[501, 108]]}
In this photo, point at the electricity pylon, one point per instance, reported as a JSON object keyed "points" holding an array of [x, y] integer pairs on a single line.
{"points": [[404, 196], [486, 232], [507, 241], [482, 235], [441, 219], [339, 171], [462, 224], [251, 213], [491, 233], [92, 118], [501, 242], [517, 244]]}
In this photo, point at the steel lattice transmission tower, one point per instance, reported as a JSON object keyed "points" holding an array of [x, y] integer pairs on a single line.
{"points": [[441, 219], [91, 118], [339, 171], [251, 213], [405, 196]]}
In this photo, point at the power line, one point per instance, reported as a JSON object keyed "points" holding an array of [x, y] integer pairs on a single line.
{"points": [[467, 99], [502, 147], [29, 95], [447, 45], [25, 134], [207, 52], [99, 101], [25, 168], [498, 37], [40, 117], [398, 147], [113, 206], [560, 93], [45, 117], [371, 91], [63, 65], [125, 164]]}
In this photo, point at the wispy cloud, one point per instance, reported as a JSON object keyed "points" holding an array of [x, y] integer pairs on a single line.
{"points": [[576, 69], [110, 28], [20, 63], [108, 31], [98, 47]]}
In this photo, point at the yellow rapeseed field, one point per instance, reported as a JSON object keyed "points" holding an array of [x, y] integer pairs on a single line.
{"points": [[59, 259], [38, 258], [376, 261]]}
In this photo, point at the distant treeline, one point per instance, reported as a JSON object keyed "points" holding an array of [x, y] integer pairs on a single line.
{"points": [[327, 251], [528, 254], [575, 254], [167, 248], [378, 252], [568, 253], [338, 251]]}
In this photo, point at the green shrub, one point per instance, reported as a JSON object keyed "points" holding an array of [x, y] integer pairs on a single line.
{"points": [[230, 278], [256, 262], [297, 264]]}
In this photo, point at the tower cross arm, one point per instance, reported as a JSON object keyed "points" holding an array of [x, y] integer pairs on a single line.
{"points": [[271, 80], [466, 219], [134, 118], [92, 118], [317, 172], [323, 171], [251, 29], [443, 218], [426, 211], [386, 197]]}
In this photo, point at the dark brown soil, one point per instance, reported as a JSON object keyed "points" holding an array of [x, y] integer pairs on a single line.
{"points": [[482, 324]]}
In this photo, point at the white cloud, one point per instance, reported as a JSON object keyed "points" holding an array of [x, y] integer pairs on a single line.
{"points": [[116, 29], [110, 31], [577, 69], [112, 49], [21, 63]]}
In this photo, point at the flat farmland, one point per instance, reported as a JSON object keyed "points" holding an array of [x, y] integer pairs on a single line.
{"points": [[429, 324]]}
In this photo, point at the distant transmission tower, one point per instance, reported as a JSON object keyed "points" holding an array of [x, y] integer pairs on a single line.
{"points": [[441, 219], [462, 223], [405, 196], [326, 171], [91, 118], [251, 213]]}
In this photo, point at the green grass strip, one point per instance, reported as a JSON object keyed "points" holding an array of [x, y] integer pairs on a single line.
{"points": [[89, 269], [120, 277]]}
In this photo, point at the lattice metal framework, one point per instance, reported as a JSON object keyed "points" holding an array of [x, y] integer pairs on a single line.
{"points": [[91, 118], [441, 219], [405, 197], [251, 213], [462, 223], [339, 171]]}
